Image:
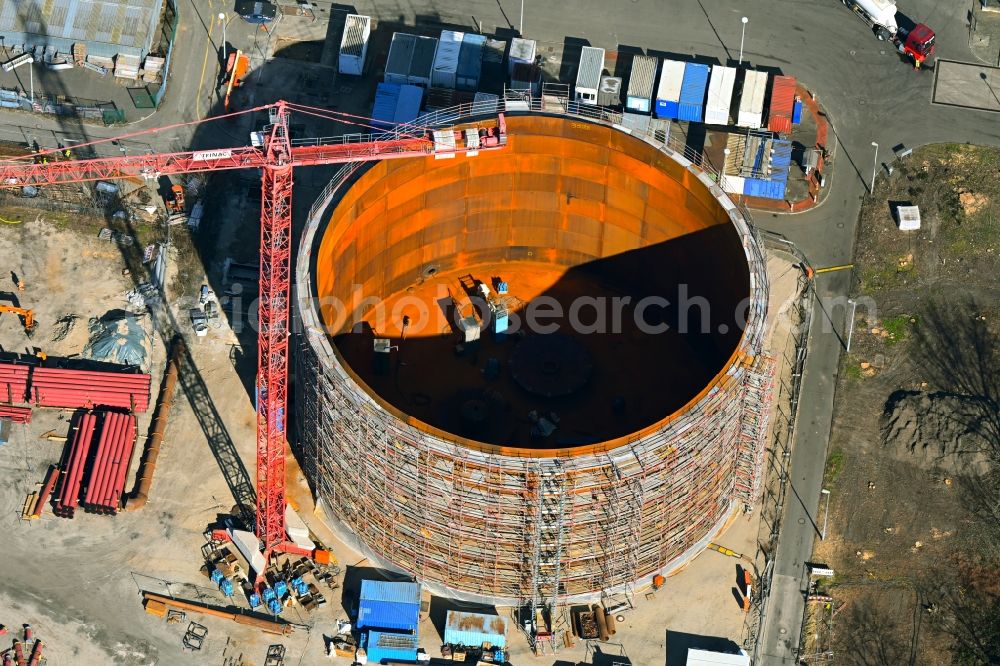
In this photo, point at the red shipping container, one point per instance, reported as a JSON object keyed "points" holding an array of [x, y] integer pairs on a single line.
{"points": [[779, 117]]}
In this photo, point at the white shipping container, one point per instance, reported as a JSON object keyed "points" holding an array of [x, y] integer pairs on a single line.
{"points": [[668, 93], [720, 95], [640, 84], [521, 51], [751, 112], [588, 75], [446, 59], [354, 44]]}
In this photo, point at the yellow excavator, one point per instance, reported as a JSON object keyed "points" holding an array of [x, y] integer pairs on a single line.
{"points": [[27, 316]]}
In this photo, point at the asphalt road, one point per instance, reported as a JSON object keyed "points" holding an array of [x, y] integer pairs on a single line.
{"points": [[869, 93]]}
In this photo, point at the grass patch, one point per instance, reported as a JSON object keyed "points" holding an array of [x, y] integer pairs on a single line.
{"points": [[852, 370], [834, 466], [898, 328]]}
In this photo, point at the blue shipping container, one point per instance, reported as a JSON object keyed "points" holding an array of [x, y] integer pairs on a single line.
{"points": [[393, 606], [385, 648], [797, 112], [765, 189], [408, 104], [470, 62], [474, 629], [692, 102], [386, 99]]}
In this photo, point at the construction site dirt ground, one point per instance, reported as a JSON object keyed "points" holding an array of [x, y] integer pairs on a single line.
{"points": [[915, 420], [78, 582]]}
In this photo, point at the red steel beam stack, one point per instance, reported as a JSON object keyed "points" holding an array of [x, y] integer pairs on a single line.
{"points": [[16, 414], [61, 387], [106, 481], [74, 464], [779, 119], [13, 382]]}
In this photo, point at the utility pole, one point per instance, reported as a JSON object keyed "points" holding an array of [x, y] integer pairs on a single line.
{"points": [[744, 20], [871, 190], [826, 514]]}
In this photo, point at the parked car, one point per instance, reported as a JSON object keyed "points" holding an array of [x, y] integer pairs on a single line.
{"points": [[256, 12]]}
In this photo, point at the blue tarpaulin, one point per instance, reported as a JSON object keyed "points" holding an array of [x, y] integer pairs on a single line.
{"points": [[765, 189], [797, 112], [393, 606]]}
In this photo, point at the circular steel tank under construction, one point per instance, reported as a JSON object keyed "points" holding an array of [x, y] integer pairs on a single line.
{"points": [[480, 506]]}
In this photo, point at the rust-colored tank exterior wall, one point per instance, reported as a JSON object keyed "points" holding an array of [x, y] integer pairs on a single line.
{"points": [[564, 193], [503, 524]]}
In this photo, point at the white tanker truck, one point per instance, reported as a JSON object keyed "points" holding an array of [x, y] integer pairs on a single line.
{"points": [[880, 15]]}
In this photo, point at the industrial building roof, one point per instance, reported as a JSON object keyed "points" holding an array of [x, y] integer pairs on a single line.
{"points": [[390, 647], [474, 629], [386, 605], [108, 27]]}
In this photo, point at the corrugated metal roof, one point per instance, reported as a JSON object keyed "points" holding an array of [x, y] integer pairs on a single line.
{"points": [[383, 646], [120, 25], [474, 629], [591, 68], [388, 615], [642, 77], [356, 31], [381, 590], [385, 605], [400, 53]]}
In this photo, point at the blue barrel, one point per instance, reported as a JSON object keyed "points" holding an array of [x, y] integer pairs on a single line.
{"points": [[281, 589], [269, 595], [254, 600], [274, 606], [216, 576], [227, 587], [302, 587], [797, 112]]}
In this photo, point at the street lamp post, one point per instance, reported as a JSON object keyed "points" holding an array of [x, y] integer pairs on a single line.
{"points": [[871, 190], [520, 25], [850, 330], [826, 514], [222, 17], [745, 20]]}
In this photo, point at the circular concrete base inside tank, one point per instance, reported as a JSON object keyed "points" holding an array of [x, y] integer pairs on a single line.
{"points": [[636, 254]]}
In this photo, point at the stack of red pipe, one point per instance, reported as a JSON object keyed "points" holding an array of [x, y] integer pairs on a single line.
{"points": [[16, 414], [106, 482], [61, 387], [74, 464], [13, 382]]}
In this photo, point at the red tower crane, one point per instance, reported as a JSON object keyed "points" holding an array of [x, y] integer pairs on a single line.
{"points": [[276, 158]]}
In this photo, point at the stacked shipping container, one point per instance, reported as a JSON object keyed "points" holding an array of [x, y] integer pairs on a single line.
{"points": [[692, 99], [446, 59], [641, 82], [751, 111], [354, 45], [779, 118], [720, 95], [668, 94], [470, 62]]}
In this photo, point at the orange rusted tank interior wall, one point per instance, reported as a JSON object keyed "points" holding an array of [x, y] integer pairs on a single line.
{"points": [[566, 211], [563, 193]]}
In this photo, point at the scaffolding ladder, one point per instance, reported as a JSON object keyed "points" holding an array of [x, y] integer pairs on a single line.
{"points": [[751, 442]]}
